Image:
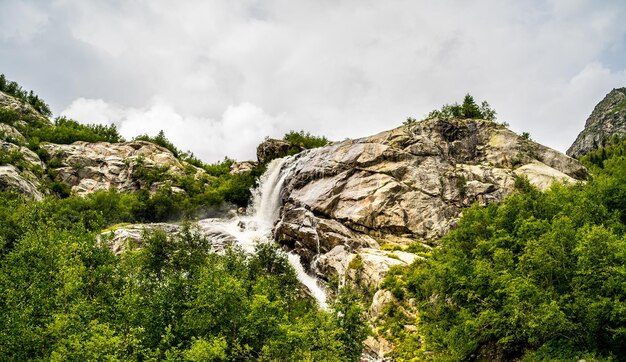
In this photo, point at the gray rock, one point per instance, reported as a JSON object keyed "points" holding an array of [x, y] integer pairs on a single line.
{"points": [[273, 148], [26, 111], [607, 119], [10, 134], [119, 238], [365, 267], [89, 167], [242, 167], [12, 179], [412, 181]]}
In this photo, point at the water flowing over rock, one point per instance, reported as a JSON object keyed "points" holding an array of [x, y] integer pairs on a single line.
{"points": [[244, 231], [607, 119]]}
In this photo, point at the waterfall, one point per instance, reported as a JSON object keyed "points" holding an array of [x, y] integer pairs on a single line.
{"points": [[248, 230]]}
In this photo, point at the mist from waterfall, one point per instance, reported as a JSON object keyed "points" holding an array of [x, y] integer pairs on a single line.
{"points": [[248, 230]]}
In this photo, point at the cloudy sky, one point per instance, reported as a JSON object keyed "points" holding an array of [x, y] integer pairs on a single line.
{"points": [[219, 76]]}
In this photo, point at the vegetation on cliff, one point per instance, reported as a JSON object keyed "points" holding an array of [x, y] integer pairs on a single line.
{"points": [[540, 276], [16, 91]]}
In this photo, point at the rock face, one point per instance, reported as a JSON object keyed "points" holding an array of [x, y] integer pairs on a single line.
{"points": [[272, 148], [89, 167], [23, 174], [607, 119], [25, 111], [242, 167], [412, 181], [12, 179]]}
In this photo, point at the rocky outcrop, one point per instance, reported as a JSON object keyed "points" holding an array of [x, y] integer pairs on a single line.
{"points": [[365, 266], [89, 167], [10, 134], [27, 114], [607, 119], [413, 180], [272, 148], [12, 179], [21, 170], [238, 168]]}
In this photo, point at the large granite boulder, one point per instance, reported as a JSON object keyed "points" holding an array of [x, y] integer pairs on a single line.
{"points": [[412, 181]]}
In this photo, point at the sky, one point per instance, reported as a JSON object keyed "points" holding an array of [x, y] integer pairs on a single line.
{"points": [[219, 76]]}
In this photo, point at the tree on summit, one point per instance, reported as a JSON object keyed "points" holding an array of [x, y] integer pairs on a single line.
{"points": [[468, 109]]}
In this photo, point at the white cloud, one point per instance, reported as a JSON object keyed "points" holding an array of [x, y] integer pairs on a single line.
{"points": [[340, 69], [21, 21], [235, 134]]}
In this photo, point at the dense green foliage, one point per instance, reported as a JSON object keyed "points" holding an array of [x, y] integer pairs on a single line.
{"points": [[468, 109], [14, 89], [616, 147], [64, 296], [66, 131], [541, 276], [305, 139]]}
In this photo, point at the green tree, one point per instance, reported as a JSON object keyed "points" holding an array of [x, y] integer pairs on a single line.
{"points": [[467, 109]]}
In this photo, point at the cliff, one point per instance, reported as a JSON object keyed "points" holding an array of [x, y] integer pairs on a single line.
{"points": [[607, 119]]}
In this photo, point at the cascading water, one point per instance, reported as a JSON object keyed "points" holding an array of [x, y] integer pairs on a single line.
{"points": [[246, 231]]}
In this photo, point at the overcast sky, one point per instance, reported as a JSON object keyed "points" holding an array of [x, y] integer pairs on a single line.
{"points": [[219, 76]]}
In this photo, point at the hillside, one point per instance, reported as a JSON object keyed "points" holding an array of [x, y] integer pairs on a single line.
{"points": [[450, 238]]}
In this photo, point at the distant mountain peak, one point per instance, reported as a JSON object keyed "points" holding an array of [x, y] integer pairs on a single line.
{"points": [[607, 119]]}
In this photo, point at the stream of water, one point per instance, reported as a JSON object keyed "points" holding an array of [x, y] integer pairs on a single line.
{"points": [[248, 230]]}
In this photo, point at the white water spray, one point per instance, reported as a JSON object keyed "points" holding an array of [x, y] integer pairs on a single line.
{"points": [[246, 231]]}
